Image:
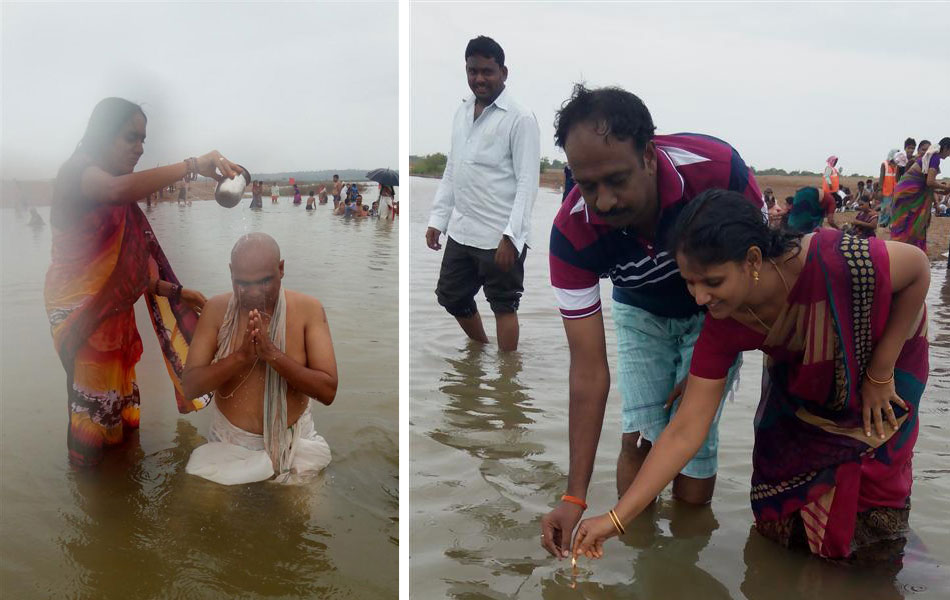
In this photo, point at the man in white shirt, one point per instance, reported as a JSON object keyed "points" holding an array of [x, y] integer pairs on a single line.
{"points": [[485, 199]]}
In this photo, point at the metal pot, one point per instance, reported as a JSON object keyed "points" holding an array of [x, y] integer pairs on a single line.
{"points": [[228, 192]]}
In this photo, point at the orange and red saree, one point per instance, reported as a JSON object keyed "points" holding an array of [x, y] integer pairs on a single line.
{"points": [[100, 267]]}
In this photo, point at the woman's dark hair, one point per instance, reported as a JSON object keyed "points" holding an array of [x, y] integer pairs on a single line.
{"points": [[615, 111], [105, 123], [486, 47], [944, 144], [720, 226]]}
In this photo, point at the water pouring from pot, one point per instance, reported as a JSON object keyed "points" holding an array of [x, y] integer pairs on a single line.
{"points": [[230, 190]]}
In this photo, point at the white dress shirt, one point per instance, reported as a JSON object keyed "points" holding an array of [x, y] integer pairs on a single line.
{"points": [[491, 177]]}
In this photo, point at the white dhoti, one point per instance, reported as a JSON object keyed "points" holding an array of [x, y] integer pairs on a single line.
{"points": [[234, 456]]}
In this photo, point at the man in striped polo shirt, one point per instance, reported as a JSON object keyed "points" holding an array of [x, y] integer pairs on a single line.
{"points": [[616, 222]]}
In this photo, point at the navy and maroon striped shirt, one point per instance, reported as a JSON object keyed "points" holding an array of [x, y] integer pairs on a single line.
{"points": [[584, 249]]}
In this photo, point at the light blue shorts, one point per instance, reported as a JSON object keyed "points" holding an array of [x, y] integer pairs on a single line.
{"points": [[653, 355]]}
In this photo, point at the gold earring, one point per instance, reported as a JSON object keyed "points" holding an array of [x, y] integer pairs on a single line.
{"points": [[755, 275]]}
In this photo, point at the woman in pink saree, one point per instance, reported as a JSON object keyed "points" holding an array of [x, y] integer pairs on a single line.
{"points": [[105, 256], [842, 323]]}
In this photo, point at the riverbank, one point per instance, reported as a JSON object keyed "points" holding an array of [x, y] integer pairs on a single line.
{"points": [[938, 236], [40, 193]]}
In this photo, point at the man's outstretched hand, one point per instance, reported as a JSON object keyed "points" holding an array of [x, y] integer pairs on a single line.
{"points": [[557, 528]]}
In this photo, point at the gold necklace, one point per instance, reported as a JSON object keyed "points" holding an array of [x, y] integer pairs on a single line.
{"points": [[229, 396], [784, 283], [761, 322]]}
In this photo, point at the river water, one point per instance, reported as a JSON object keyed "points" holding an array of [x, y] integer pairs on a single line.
{"points": [[138, 526], [489, 456]]}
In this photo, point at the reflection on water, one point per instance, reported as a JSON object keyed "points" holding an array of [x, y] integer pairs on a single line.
{"points": [[138, 526], [489, 456], [144, 508]]}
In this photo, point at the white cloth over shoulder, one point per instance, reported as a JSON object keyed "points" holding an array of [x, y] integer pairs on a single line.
{"points": [[233, 456]]}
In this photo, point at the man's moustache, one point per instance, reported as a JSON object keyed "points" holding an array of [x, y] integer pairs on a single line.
{"points": [[615, 212]]}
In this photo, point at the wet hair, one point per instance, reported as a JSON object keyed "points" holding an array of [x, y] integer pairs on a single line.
{"points": [[615, 112], [720, 226], [486, 47], [910, 142], [944, 144], [335, 176], [108, 118]]}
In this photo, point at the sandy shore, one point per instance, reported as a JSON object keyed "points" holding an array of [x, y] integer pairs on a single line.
{"points": [[40, 193], [938, 236]]}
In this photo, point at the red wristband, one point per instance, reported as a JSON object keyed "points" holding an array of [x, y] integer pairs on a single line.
{"points": [[574, 500]]}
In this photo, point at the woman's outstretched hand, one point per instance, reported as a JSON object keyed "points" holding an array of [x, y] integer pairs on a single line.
{"points": [[591, 535], [207, 163], [194, 299]]}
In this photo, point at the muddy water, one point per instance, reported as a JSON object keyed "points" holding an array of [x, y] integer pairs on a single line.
{"points": [[138, 526], [489, 456]]}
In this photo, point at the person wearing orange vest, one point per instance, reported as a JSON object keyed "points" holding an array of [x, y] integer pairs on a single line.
{"points": [[829, 181], [887, 181]]}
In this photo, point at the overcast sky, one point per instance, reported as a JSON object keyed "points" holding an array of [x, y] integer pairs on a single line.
{"points": [[275, 87], [786, 84]]}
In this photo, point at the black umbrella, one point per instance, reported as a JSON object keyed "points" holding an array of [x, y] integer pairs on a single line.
{"points": [[384, 176]]}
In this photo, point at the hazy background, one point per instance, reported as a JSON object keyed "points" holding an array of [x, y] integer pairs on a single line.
{"points": [[787, 84], [274, 86]]}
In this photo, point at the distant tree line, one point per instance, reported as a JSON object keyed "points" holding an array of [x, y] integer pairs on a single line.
{"points": [[432, 165], [322, 175], [795, 173], [783, 172]]}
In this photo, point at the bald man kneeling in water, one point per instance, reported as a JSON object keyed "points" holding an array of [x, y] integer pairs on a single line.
{"points": [[264, 351]]}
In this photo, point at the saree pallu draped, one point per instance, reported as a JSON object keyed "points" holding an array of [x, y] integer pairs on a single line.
{"points": [[910, 212], [815, 474], [100, 267]]}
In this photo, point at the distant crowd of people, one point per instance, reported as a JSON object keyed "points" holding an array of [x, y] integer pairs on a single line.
{"points": [[347, 199], [904, 198]]}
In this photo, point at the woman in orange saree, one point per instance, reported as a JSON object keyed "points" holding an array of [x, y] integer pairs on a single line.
{"points": [[105, 256]]}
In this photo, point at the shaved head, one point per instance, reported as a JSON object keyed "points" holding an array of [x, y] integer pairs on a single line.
{"points": [[256, 271], [255, 246]]}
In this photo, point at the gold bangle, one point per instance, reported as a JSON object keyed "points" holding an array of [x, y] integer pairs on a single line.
{"points": [[613, 519], [616, 520], [867, 375]]}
